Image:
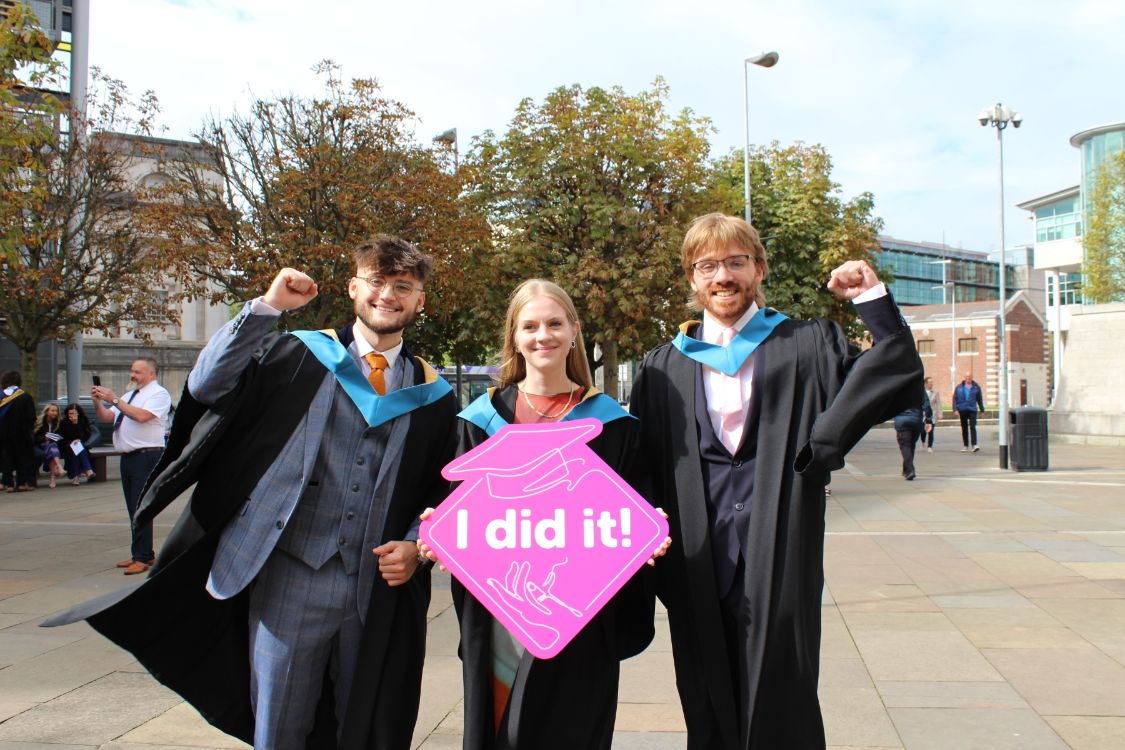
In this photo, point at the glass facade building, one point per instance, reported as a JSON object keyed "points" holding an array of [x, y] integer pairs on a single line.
{"points": [[918, 273], [1096, 146]]}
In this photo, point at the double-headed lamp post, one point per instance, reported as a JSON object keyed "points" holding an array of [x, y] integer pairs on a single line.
{"points": [[1000, 117], [764, 60]]}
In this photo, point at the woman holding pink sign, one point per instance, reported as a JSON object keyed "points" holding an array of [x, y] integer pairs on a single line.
{"points": [[513, 699]]}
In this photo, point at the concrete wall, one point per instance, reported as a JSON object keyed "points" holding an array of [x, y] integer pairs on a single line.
{"points": [[1091, 399]]}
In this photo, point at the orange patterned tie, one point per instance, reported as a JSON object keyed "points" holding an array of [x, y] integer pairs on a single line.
{"points": [[378, 365]]}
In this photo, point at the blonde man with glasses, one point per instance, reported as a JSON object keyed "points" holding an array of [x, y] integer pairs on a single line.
{"points": [[289, 604], [743, 417]]}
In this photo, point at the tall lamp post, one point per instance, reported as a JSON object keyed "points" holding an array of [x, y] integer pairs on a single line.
{"points": [[449, 138], [764, 60], [948, 283], [1000, 117]]}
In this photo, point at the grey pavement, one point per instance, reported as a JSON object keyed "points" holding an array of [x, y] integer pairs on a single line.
{"points": [[970, 608]]}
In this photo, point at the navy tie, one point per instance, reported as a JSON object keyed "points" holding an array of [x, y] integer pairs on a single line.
{"points": [[121, 414]]}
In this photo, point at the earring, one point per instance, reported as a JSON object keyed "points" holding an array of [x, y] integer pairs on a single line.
{"points": [[573, 343]]}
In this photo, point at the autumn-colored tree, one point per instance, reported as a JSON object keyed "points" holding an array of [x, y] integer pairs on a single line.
{"points": [[76, 251], [1104, 239], [593, 188], [807, 228], [302, 181]]}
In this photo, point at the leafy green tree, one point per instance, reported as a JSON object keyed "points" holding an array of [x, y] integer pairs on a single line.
{"points": [[807, 228], [1104, 239], [593, 188], [301, 181], [76, 252]]}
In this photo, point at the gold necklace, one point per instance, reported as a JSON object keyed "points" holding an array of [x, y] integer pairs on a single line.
{"points": [[565, 409]]}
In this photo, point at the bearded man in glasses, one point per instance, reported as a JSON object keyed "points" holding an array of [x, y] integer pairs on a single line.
{"points": [[312, 450], [743, 417]]}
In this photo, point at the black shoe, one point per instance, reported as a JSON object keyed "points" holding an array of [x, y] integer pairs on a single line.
{"points": [[910, 476]]}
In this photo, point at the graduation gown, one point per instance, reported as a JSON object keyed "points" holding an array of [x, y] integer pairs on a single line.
{"points": [[198, 645], [569, 701], [816, 401]]}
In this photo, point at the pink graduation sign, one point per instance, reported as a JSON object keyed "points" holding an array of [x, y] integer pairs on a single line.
{"points": [[541, 531]]}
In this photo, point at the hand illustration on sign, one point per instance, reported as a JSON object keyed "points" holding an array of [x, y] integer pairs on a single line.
{"points": [[523, 597], [541, 531]]}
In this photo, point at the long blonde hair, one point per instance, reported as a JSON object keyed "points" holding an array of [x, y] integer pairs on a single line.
{"points": [[513, 369], [43, 416]]}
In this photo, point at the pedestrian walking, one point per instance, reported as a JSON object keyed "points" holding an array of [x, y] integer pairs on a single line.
{"points": [[967, 400]]}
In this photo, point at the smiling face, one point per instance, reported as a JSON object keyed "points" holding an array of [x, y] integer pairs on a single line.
{"points": [[544, 334], [141, 373], [52, 413], [385, 312], [727, 294]]}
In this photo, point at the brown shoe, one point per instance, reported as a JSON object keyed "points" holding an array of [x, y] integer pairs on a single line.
{"points": [[136, 568], [126, 563]]}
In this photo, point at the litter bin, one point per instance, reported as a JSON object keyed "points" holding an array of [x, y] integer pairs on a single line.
{"points": [[1029, 438]]}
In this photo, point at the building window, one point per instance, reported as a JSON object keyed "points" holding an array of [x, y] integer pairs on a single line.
{"points": [[966, 346], [926, 347]]}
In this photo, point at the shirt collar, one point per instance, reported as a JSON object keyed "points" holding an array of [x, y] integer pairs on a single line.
{"points": [[712, 328], [363, 347]]}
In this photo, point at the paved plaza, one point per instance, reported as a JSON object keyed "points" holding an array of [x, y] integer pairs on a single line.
{"points": [[971, 608]]}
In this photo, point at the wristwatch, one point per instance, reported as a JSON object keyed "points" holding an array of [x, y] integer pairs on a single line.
{"points": [[115, 401]]}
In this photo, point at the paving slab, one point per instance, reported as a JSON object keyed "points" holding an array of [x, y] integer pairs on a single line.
{"points": [[95, 713], [181, 725], [1090, 732], [1064, 681], [974, 729]]}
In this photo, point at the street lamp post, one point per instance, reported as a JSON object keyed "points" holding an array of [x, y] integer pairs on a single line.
{"points": [[764, 60], [449, 138], [999, 117], [951, 285]]}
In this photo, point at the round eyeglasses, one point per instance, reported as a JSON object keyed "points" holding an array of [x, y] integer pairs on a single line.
{"points": [[708, 268], [400, 288]]}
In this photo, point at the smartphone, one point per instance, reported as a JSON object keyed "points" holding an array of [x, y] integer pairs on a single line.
{"points": [[97, 380]]}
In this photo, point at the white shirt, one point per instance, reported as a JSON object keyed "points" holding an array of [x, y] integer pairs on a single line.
{"points": [[363, 348], [713, 380], [132, 435]]}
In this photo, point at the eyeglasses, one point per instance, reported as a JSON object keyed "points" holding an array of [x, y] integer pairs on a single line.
{"points": [[400, 288], [708, 268]]}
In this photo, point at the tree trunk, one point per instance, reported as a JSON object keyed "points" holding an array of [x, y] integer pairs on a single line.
{"points": [[609, 374], [29, 371]]}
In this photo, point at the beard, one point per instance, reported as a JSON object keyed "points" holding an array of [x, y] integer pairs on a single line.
{"points": [[385, 323], [732, 307]]}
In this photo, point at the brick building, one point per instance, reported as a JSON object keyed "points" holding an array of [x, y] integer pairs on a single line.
{"points": [[967, 343]]}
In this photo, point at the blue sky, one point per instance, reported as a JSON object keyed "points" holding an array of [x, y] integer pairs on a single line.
{"points": [[891, 89]]}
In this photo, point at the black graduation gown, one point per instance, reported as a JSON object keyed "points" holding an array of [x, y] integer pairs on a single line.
{"points": [[198, 645], [816, 401], [570, 701]]}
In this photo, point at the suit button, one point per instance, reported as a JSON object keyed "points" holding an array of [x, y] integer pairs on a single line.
{"points": [[350, 516], [281, 524], [739, 506], [737, 464], [343, 541], [355, 488], [359, 461]]}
